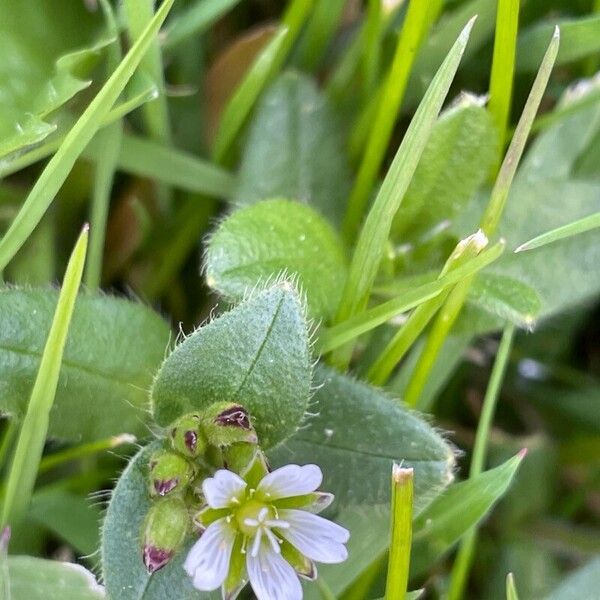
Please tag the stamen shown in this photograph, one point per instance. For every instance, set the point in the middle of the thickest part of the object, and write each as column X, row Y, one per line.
column 251, row 522
column 274, row 541
column 256, row 543
column 263, row 514
column 277, row 523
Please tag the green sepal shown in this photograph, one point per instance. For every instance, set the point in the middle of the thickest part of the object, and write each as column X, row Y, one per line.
column 169, row 471
column 187, row 437
column 226, row 423
column 303, row 566
column 208, row 515
column 236, row 578
column 315, row 502
column 165, row 528
column 247, row 460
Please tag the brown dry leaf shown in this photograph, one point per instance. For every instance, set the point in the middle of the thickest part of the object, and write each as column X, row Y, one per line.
column 228, row 70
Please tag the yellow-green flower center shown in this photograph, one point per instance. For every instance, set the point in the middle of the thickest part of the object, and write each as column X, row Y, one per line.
column 251, row 514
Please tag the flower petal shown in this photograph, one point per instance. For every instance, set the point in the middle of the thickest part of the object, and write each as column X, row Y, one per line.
column 208, row 560
column 291, row 480
column 316, row 537
column 271, row 576
column 223, row 489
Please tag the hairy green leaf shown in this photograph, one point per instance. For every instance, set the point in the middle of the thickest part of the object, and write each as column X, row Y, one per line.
column 257, row 354
column 261, row 241
column 113, row 349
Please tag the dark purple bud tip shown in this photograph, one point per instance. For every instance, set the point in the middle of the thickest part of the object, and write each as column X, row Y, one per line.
column 164, row 486
column 190, row 439
column 234, row 416
column 156, row 558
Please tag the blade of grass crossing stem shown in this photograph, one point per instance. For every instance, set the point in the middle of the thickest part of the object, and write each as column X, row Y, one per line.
column 352, row 328
column 560, row 233
column 57, row 170
column 388, row 107
column 14, row 165
column 241, row 103
column 503, row 64
column 489, row 224
column 401, row 533
column 370, row 60
column 463, row 561
column 375, row 232
column 109, row 145
column 511, row 588
column 30, row 445
column 195, row 20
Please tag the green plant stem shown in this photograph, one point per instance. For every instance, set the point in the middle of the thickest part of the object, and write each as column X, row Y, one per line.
column 370, row 62
column 401, row 533
column 32, row 436
column 8, row 437
column 78, row 452
column 464, row 558
column 503, row 65
column 392, row 93
column 109, row 144
column 325, row 590
column 489, row 223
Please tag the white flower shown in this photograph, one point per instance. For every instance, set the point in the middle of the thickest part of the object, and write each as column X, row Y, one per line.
column 268, row 533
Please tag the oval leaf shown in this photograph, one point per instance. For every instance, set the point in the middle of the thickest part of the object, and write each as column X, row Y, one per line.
column 278, row 236
column 112, row 350
column 257, row 354
column 356, row 435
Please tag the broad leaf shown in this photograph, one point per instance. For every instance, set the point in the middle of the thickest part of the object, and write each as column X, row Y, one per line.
column 456, row 511
column 38, row 579
column 456, row 160
column 257, row 354
column 40, row 69
column 294, row 150
column 356, row 435
column 124, row 573
column 262, row 241
column 114, row 347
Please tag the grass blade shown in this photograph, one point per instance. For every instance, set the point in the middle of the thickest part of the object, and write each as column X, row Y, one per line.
column 503, row 64
column 464, row 558
column 346, row 331
column 30, row 445
column 511, row 588
column 374, row 235
column 399, row 560
column 390, row 100
column 560, row 233
column 245, row 96
column 195, row 20
column 57, row 170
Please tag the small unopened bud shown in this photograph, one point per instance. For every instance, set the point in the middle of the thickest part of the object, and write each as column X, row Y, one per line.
column 168, row 471
column 186, row 436
column 226, row 423
column 166, row 526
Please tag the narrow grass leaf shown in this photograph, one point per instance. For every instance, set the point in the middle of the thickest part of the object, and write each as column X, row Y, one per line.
column 352, row 328
column 401, row 533
column 244, row 98
column 390, row 100
column 511, row 588
column 194, row 20
column 561, row 233
column 375, row 232
column 503, row 64
column 30, row 445
column 76, row 140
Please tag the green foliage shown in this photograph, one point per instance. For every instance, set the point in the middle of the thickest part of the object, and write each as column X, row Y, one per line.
column 356, row 459
column 38, row 579
column 272, row 237
column 257, row 354
column 110, row 355
column 294, row 150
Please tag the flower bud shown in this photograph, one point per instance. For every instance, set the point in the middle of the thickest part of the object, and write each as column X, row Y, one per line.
column 165, row 529
column 186, row 436
column 168, row 471
column 226, row 423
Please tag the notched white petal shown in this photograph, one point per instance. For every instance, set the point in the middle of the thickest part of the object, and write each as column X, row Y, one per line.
column 315, row 537
column 271, row 576
column 208, row 560
column 291, row 480
column 223, row 489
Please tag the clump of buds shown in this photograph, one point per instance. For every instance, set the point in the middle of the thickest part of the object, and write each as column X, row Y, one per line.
column 197, row 445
